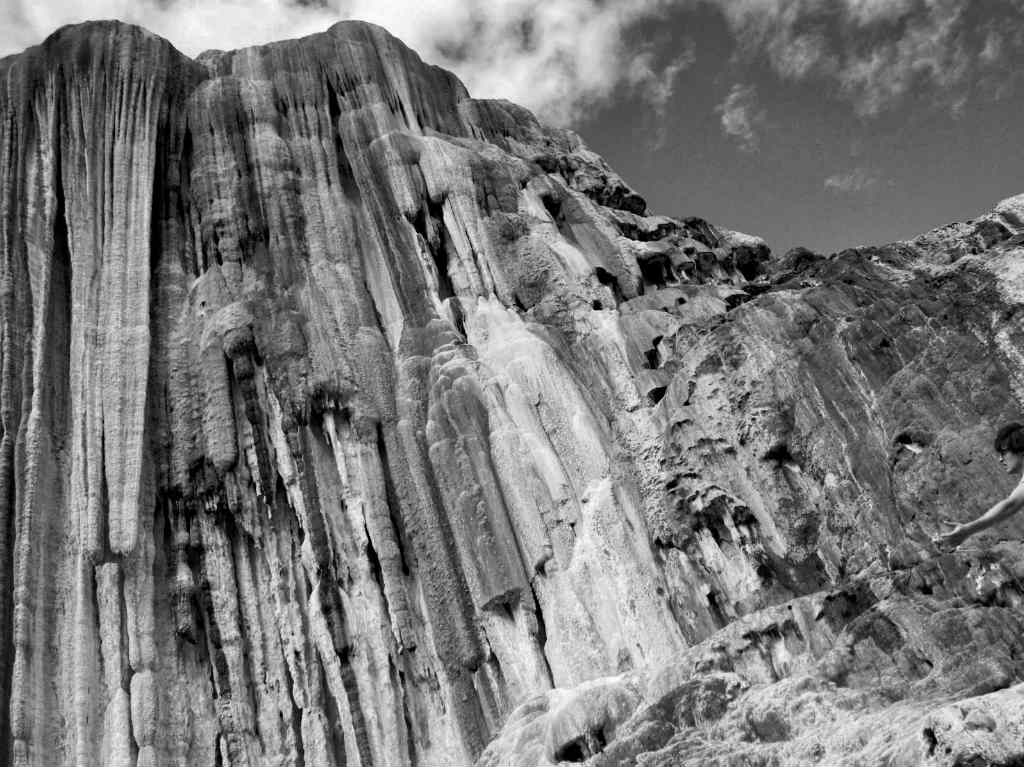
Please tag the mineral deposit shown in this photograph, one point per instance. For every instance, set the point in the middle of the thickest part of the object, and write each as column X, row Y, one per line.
column 348, row 420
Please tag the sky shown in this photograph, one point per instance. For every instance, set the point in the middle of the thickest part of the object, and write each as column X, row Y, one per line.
column 821, row 123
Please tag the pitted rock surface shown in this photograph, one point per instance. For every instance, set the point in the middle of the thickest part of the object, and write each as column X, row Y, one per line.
column 346, row 419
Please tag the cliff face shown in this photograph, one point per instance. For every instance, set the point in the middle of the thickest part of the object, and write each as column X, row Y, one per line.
column 345, row 416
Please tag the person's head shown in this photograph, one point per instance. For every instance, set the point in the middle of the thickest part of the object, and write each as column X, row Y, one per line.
column 1009, row 445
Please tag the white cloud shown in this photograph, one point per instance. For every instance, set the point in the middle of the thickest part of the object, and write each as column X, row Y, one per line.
column 563, row 58
column 993, row 49
column 741, row 117
column 877, row 52
column 866, row 12
column 927, row 51
column 855, row 181
column 557, row 57
column 660, row 87
column 659, row 84
column 800, row 56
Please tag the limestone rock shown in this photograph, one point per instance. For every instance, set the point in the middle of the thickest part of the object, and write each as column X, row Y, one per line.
column 346, row 419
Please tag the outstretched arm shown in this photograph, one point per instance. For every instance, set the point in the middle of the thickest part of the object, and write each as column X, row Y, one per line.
column 1003, row 510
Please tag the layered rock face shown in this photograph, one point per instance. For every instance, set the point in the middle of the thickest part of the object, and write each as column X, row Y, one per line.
column 350, row 420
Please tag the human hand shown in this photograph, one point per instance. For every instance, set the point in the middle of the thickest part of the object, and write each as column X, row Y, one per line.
column 949, row 540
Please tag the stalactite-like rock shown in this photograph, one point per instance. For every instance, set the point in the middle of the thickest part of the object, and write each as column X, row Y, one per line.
column 346, row 419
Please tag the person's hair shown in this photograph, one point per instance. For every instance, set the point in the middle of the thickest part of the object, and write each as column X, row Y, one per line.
column 1010, row 437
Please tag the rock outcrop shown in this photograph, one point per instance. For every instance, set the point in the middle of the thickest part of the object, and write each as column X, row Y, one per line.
column 346, row 419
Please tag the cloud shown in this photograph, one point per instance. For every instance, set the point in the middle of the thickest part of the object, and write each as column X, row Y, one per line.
column 929, row 51
column 993, row 49
column 876, row 53
column 561, row 58
column 867, row 12
column 565, row 58
column 660, row 86
column 741, row 117
column 855, row 181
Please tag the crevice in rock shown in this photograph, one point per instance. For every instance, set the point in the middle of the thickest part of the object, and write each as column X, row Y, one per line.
column 398, row 677
column 375, row 569
column 103, row 522
column 630, row 229
column 913, row 440
column 656, row 395
column 542, row 635
column 318, row 531
column 586, row 746
column 554, row 208
column 345, row 172
column 407, row 715
column 57, row 347
column 394, row 513
column 335, row 730
column 779, row 453
column 930, row 741
column 652, row 355
column 691, row 387
column 656, row 269
column 187, row 557
column 736, row 299
column 611, row 282
column 429, row 224
column 458, row 318
column 717, row 615
column 158, row 195
column 184, row 202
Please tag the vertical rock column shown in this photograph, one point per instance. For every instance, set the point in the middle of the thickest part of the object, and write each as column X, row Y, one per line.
column 117, row 731
column 15, row 321
column 113, row 103
column 84, row 111
column 32, row 401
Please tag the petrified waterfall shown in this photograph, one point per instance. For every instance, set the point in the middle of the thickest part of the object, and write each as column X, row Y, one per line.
column 346, row 419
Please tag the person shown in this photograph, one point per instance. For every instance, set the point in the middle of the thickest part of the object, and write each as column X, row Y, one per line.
column 1009, row 445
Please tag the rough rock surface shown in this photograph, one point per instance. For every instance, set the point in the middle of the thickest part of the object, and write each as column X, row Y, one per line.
column 345, row 419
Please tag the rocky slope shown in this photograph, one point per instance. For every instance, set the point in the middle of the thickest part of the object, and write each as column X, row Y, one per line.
column 345, row 419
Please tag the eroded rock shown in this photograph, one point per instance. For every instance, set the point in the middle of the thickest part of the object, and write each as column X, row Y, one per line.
column 347, row 419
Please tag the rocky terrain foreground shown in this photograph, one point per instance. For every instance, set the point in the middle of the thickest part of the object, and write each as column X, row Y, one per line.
column 348, row 420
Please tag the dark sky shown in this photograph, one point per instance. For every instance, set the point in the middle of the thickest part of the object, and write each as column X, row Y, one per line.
column 922, row 161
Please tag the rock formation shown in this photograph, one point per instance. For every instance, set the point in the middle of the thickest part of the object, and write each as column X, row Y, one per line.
column 346, row 419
